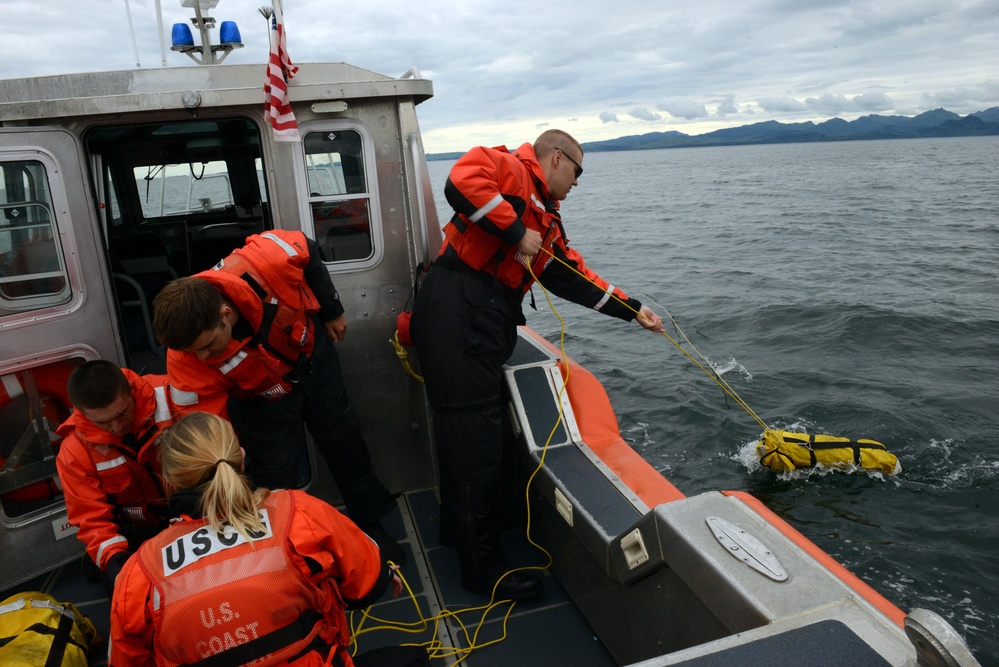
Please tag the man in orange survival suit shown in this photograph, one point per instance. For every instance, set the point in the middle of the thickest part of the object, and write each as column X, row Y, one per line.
column 464, row 326
column 109, row 463
column 252, row 339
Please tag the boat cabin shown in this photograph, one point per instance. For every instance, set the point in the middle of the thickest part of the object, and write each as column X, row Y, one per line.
column 114, row 183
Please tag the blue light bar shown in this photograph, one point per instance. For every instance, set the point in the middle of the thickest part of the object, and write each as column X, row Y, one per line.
column 229, row 33
column 181, row 35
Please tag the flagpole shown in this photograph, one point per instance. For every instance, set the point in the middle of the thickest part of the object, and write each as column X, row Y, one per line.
column 159, row 28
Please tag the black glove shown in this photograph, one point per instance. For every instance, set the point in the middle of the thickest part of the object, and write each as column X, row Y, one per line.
column 115, row 563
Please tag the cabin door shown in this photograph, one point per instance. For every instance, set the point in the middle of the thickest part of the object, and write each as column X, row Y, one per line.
column 54, row 313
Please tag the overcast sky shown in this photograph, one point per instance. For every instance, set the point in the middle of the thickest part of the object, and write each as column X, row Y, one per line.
column 505, row 70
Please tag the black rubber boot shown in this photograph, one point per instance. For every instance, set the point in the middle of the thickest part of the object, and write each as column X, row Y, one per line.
column 481, row 557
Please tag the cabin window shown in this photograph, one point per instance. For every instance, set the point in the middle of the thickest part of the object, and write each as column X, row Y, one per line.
column 339, row 194
column 32, row 266
column 176, row 197
column 179, row 189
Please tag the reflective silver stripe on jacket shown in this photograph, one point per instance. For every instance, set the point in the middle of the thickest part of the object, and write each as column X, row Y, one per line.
column 484, row 211
column 605, row 299
column 284, row 245
column 162, row 412
column 11, row 385
column 105, row 544
column 113, row 463
column 236, row 360
column 183, row 397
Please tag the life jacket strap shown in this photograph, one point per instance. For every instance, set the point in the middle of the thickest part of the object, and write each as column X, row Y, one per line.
column 264, row 645
column 261, row 337
column 813, row 444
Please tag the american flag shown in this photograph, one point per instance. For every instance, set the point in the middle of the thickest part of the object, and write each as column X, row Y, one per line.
column 277, row 108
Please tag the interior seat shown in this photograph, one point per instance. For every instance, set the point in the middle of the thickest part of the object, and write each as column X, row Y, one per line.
column 140, row 266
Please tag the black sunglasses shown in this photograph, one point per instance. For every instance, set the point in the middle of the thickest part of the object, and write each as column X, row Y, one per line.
column 579, row 167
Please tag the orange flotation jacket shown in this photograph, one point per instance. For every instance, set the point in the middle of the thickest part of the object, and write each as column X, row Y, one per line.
column 107, row 483
column 271, row 264
column 485, row 239
column 209, row 587
column 497, row 195
column 266, row 283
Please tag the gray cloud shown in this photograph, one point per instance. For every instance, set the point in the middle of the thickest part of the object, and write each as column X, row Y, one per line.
column 986, row 92
column 785, row 60
column 641, row 113
column 727, row 106
column 873, row 102
column 683, row 108
column 781, row 104
column 829, row 105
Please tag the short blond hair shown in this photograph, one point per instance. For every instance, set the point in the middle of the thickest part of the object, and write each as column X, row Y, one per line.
column 551, row 140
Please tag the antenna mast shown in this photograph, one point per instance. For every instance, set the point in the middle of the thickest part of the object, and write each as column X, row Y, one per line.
column 131, row 29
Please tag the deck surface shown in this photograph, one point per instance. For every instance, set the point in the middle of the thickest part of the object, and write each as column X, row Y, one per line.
column 548, row 631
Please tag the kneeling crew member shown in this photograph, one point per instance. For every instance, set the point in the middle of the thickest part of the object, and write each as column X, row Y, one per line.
column 109, row 463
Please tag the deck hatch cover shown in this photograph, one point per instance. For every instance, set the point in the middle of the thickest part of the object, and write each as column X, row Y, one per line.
column 746, row 548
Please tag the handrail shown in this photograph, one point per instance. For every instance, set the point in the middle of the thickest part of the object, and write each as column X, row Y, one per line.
column 424, row 245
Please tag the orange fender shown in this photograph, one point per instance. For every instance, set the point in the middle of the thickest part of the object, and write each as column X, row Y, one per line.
column 600, row 431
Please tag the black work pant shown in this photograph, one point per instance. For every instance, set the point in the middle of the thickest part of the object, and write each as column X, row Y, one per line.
column 464, row 329
column 271, row 433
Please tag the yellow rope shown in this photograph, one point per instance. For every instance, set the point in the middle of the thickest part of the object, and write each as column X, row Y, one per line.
column 403, row 355
column 435, row 647
column 718, row 379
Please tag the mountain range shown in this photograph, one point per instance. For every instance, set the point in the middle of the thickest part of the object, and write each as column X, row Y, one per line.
column 935, row 123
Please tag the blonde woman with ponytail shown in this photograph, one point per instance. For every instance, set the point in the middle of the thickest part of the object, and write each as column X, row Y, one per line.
column 242, row 574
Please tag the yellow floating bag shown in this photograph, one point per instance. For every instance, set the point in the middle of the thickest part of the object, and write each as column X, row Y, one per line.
column 785, row 451
column 36, row 630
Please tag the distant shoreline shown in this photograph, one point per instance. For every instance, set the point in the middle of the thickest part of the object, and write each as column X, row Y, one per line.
column 938, row 123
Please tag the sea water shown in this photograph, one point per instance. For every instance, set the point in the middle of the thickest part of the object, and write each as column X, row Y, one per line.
column 845, row 288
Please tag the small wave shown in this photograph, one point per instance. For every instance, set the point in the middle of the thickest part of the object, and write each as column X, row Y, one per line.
column 730, row 366
column 953, row 464
column 639, row 436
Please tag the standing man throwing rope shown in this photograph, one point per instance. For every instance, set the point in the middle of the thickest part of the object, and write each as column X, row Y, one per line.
column 464, row 327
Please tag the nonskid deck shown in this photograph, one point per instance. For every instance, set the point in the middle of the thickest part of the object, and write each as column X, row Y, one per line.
column 549, row 630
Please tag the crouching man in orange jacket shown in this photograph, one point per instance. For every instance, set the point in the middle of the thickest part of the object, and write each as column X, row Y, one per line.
column 252, row 340
column 108, row 461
